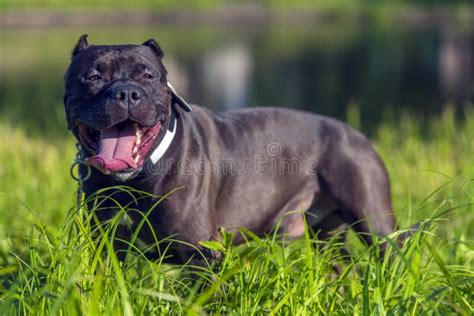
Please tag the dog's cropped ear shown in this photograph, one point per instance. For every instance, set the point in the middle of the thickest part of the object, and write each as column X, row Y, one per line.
column 155, row 47
column 81, row 45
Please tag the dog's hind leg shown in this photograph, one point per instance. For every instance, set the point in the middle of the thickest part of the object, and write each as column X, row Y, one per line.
column 360, row 186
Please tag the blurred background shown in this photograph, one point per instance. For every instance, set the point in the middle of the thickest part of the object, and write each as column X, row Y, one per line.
column 332, row 58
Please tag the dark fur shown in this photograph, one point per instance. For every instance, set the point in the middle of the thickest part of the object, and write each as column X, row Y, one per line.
column 344, row 180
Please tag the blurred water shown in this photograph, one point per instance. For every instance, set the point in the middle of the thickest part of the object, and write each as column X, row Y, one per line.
column 383, row 69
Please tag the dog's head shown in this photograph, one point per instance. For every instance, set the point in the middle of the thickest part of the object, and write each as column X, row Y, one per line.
column 117, row 103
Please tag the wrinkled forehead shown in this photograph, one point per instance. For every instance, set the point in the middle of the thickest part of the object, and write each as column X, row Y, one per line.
column 117, row 57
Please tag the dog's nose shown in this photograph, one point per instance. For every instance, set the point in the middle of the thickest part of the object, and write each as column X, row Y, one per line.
column 127, row 95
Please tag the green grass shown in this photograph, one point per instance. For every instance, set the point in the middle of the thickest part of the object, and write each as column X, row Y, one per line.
column 50, row 265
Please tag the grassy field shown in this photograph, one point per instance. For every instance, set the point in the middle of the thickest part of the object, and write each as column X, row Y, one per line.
column 50, row 265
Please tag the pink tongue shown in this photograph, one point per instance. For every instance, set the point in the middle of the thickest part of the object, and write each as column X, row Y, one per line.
column 115, row 150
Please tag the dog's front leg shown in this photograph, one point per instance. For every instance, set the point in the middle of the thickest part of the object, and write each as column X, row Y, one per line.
column 193, row 251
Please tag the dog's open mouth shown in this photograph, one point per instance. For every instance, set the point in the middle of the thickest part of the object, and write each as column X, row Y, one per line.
column 120, row 148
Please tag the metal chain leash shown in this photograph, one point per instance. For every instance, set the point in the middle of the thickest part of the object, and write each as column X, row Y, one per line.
column 78, row 161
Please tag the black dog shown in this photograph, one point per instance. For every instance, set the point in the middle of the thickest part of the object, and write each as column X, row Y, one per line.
column 245, row 168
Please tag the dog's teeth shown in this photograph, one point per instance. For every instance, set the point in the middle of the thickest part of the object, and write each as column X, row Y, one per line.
column 138, row 135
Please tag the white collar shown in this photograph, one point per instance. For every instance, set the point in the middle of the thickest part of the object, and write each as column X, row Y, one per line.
column 166, row 141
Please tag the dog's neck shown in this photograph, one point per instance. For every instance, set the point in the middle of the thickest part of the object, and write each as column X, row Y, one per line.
column 176, row 100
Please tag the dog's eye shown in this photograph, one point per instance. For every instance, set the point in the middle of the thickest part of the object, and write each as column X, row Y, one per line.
column 94, row 78
column 148, row 76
